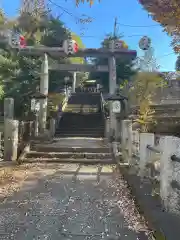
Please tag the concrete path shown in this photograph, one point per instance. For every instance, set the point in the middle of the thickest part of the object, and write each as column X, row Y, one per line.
column 76, row 202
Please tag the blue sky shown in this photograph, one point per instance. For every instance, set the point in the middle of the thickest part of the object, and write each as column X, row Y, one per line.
column 128, row 12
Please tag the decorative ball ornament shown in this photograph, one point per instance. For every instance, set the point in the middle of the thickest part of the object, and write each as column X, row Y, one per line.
column 145, row 43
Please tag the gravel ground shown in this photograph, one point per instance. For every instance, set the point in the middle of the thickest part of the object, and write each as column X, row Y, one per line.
column 66, row 202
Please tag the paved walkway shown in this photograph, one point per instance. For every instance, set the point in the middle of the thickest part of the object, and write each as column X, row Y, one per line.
column 76, row 202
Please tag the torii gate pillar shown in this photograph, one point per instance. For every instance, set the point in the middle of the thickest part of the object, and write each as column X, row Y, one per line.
column 112, row 86
column 44, row 85
column 74, row 82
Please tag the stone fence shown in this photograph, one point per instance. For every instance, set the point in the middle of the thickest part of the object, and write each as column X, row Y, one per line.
column 155, row 158
column 17, row 134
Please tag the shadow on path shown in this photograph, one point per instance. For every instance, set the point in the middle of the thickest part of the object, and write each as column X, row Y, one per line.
column 75, row 202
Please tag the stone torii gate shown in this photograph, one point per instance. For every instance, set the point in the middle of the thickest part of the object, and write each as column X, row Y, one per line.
column 111, row 53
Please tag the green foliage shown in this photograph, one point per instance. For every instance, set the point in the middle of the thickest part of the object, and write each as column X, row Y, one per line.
column 54, row 33
column 123, row 68
column 141, row 94
column 54, row 100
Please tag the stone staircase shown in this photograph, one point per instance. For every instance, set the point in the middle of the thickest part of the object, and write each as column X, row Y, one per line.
column 85, row 98
column 70, row 150
column 83, row 102
column 82, row 117
column 78, row 138
column 81, row 125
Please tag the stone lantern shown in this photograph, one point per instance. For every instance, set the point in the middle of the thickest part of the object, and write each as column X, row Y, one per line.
column 35, row 98
column 120, row 109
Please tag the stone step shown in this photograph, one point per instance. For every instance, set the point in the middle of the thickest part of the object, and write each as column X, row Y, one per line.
column 82, row 107
column 83, row 100
column 83, row 126
column 82, row 134
column 75, row 155
column 86, row 121
column 98, row 120
column 83, row 115
column 77, row 131
column 68, row 160
column 59, row 149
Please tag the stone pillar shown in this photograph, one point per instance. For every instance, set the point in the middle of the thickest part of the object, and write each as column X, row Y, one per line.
column 10, row 139
column 107, row 126
column 126, row 140
column 44, row 85
column 36, row 126
column 98, row 87
column 8, row 108
column 1, row 149
column 52, row 128
column 112, row 86
column 74, row 82
column 169, row 171
column 145, row 140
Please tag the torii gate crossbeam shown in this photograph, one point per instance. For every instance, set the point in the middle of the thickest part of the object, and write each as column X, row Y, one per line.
column 79, row 67
column 87, row 52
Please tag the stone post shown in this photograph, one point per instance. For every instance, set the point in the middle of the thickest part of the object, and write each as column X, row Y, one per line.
column 98, row 87
column 10, row 139
column 112, row 85
column 145, row 140
column 126, row 140
column 124, row 137
column 44, row 85
column 52, row 127
column 169, row 171
column 74, row 82
column 36, row 126
column 1, row 152
column 107, row 126
column 8, row 108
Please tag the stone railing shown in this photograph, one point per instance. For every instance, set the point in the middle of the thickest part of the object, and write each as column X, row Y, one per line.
column 18, row 135
column 155, row 158
column 15, row 138
column 1, row 146
column 26, row 132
